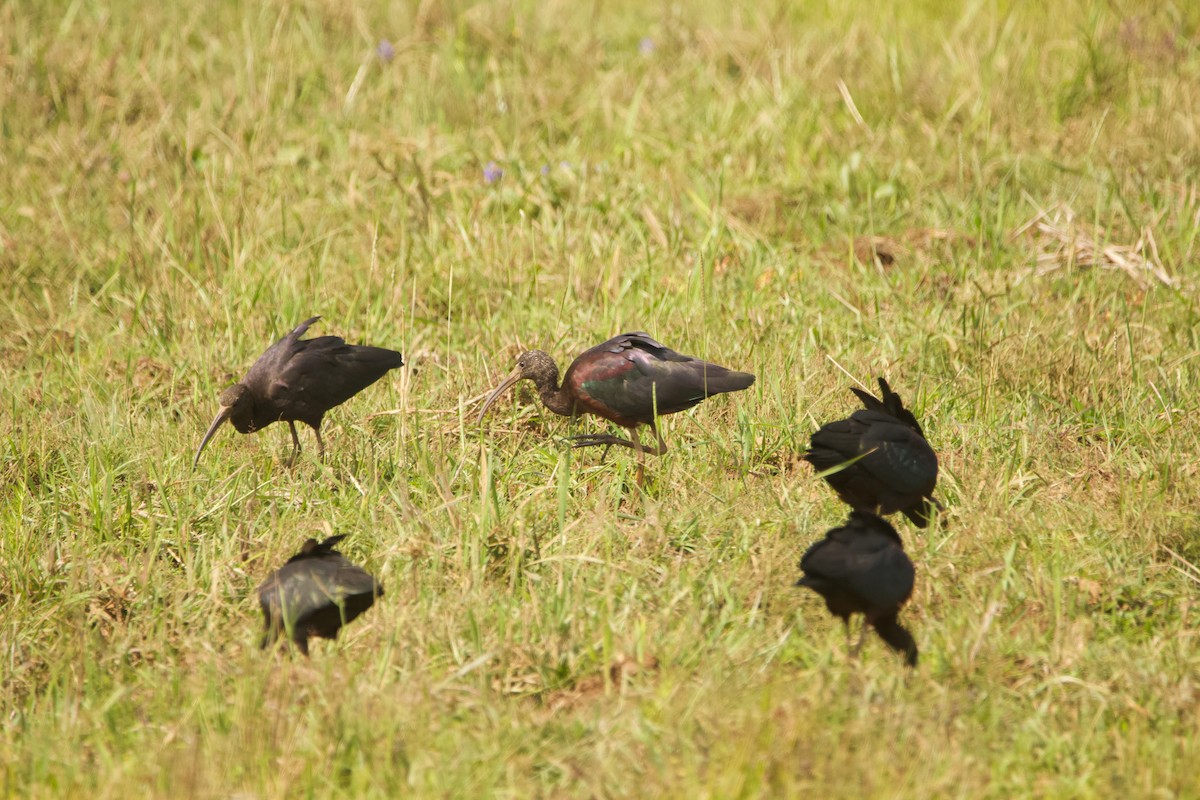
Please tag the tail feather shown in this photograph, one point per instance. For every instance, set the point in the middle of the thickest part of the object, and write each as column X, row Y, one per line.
column 889, row 404
column 714, row 379
column 379, row 357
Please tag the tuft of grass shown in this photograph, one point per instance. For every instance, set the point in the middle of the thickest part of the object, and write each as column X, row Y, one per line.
column 813, row 192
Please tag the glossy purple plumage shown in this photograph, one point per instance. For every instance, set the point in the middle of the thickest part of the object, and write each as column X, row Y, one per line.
column 631, row 378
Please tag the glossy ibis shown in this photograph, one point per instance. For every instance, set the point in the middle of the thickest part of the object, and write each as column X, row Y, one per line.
column 878, row 459
column 298, row 380
column 314, row 594
column 630, row 380
column 861, row 568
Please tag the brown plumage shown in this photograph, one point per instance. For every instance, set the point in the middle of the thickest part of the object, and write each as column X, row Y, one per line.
column 298, row 380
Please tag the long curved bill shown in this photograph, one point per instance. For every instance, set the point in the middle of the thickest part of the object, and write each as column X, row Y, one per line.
column 222, row 415
column 513, row 377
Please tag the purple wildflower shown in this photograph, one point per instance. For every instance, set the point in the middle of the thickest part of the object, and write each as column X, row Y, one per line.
column 646, row 46
column 492, row 173
column 386, row 51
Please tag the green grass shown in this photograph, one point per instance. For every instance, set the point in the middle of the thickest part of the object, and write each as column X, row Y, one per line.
column 179, row 186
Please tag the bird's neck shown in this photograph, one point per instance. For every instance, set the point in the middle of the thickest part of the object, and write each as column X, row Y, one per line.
column 555, row 398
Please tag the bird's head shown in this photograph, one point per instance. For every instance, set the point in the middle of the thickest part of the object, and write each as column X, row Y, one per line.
column 237, row 405
column 534, row 365
column 235, row 397
column 538, row 367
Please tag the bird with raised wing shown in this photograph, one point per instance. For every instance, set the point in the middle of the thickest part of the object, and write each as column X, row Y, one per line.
column 299, row 380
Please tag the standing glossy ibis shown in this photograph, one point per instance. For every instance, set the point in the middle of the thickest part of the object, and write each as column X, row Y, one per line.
column 630, row 380
column 298, row 380
column 861, row 568
column 314, row 594
column 878, row 459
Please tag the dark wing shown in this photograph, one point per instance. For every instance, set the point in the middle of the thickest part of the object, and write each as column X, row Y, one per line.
column 349, row 593
column 624, row 341
column 269, row 367
column 316, row 592
column 325, row 372
column 899, row 457
column 352, row 581
column 890, row 404
column 887, row 451
column 295, row 334
column 635, row 376
column 309, row 586
column 883, row 577
column 825, row 565
column 275, row 357
column 314, row 549
column 864, row 560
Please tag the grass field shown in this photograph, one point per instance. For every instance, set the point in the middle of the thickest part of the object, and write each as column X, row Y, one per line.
column 180, row 184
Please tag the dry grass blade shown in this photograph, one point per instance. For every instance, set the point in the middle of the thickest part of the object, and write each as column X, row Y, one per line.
column 1189, row 570
column 1062, row 243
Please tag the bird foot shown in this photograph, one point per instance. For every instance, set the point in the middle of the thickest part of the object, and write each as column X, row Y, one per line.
column 594, row 440
column 862, row 637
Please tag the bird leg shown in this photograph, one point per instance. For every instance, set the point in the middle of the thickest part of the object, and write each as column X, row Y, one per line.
column 662, row 446
column 596, row 439
column 320, row 442
column 862, row 637
column 592, row 440
column 641, row 459
column 295, row 444
column 609, row 440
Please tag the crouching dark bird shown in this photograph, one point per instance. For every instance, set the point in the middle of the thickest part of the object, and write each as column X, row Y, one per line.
column 298, row 380
column 630, row 380
column 861, row 568
column 878, row 459
column 314, row 594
